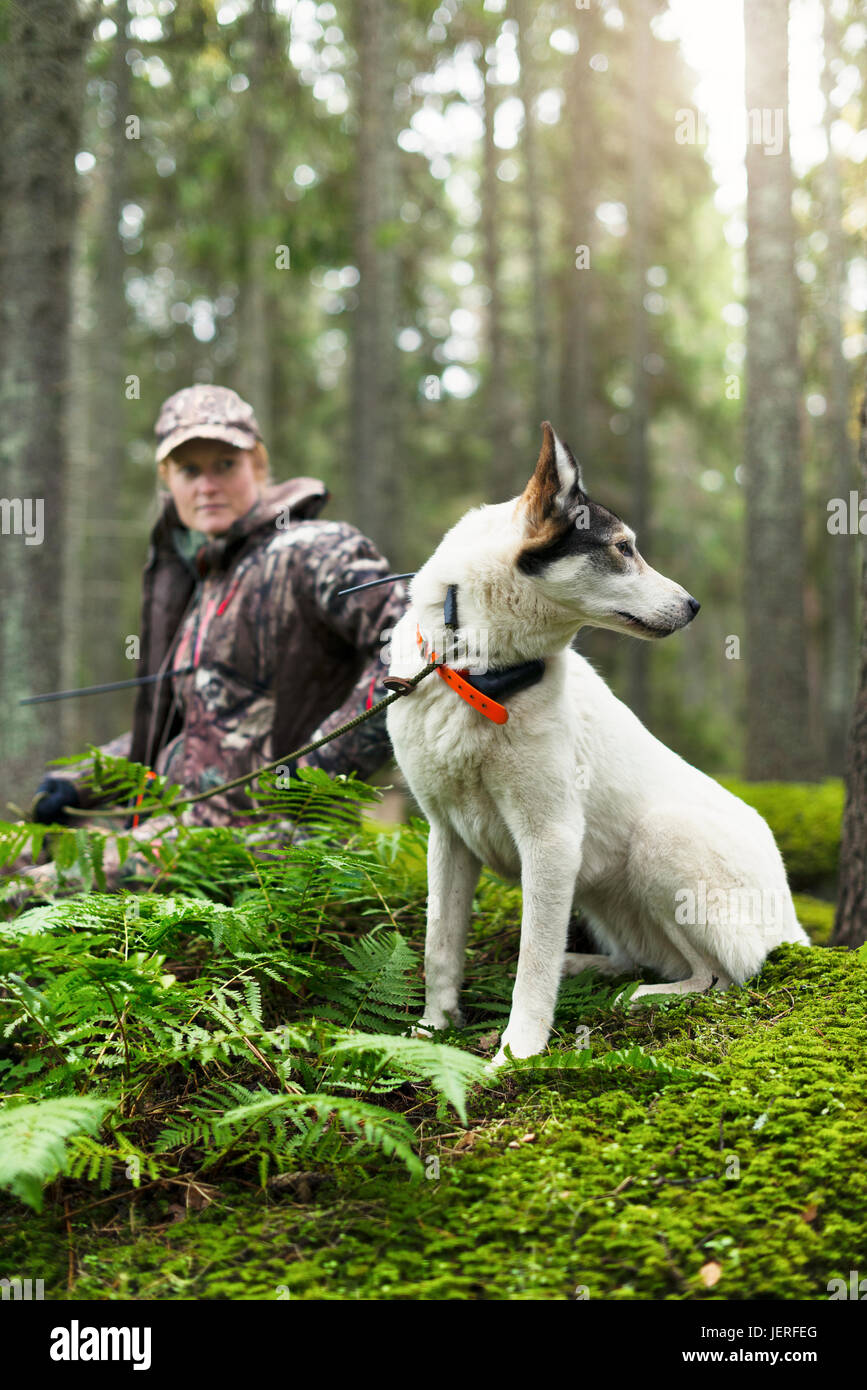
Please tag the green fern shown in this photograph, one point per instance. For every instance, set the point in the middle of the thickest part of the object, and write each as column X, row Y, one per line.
column 369, row 1124
column 33, row 1141
column 256, row 1125
column 383, row 986
column 634, row 1058
column 254, row 961
column 95, row 1161
column 448, row 1069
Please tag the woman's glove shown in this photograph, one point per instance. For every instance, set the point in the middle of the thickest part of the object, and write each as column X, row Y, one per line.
column 53, row 795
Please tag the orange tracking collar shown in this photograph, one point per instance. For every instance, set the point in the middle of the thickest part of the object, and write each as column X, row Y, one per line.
column 491, row 709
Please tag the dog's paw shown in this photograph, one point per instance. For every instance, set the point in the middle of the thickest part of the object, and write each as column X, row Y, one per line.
column 529, row 1044
column 437, row 1021
column 498, row 1062
column 429, row 1027
column 422, row 1029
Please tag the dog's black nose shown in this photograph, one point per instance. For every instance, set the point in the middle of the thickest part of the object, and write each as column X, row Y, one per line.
column 694, row 605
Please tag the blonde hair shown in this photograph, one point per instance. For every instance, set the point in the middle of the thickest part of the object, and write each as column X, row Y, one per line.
column 261, row 462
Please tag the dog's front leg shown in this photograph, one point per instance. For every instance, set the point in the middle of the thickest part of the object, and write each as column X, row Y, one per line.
column 549, row 868
column 452, row 874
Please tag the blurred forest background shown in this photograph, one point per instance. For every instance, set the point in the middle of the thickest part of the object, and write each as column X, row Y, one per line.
column 408, row 233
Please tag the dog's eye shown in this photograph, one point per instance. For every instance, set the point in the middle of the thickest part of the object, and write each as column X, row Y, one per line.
column 625, row 548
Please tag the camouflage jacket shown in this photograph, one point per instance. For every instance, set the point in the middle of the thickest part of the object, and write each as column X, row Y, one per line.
column 277, row 658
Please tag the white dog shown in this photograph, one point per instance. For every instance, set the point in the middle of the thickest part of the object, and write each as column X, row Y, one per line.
column 537, row 770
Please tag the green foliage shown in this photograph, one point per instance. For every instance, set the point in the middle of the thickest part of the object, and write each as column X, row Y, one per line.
column 247, row 1030
column 622, row 1181
column 252, row 1018
column 33, row 1141
column 448, row 1069
column 806, row 820
column 634, row 1057
column 252, row 1128
column 260, row 962
column 380, row 987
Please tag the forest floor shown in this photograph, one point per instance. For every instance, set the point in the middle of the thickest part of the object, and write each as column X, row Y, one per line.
column 737, row 1172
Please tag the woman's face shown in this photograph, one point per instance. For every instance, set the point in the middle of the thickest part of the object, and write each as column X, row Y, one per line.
column 212, row 484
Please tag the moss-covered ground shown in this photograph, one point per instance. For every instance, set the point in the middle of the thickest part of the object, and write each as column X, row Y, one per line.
column 744, row 1179
column 746, row 1182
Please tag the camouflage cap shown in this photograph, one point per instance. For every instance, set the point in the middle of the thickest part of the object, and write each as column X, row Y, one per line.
column 205, row 412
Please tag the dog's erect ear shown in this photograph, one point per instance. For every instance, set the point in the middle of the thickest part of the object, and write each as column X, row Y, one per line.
column 555, row 488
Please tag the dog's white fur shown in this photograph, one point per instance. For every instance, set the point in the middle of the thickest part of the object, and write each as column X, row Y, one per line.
column 573, row 796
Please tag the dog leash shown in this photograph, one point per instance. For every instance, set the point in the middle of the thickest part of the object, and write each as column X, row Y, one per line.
column 476, row 691
column 527, row 673
column 398, row 686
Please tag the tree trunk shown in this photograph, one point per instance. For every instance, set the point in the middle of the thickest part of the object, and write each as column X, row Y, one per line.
column 778, row 716
column 538, row 312
column 255, row 366
column 372, row 445
column 573, row 423
column 639, row 209
column 83, row 427
column 93, row 558
column 841, row 605
column 850, row 926
column 41, row 111
column 502, row 479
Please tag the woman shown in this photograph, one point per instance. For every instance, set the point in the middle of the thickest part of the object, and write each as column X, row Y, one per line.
column 241, row 602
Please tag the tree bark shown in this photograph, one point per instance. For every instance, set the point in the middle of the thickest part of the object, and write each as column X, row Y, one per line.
column 538, row 307
column 841, row 605
column 255, row 365
column 850, row 925
column 639, row 209
column 82, row 441
column 779, row 744
column 502, row 479
column 41, row 112
column 93, row 561
column 372, row 446
column 574, row 409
